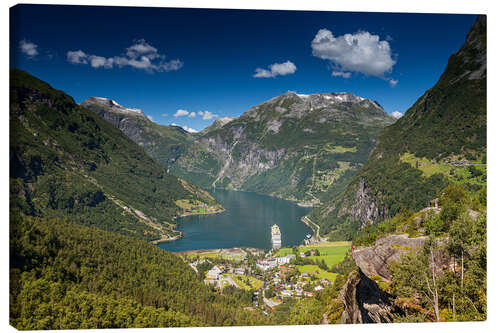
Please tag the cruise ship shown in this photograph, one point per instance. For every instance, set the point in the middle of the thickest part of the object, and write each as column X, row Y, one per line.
column 276, row 236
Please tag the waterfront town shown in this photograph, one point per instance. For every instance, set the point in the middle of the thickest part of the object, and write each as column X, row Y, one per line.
column 273, row 277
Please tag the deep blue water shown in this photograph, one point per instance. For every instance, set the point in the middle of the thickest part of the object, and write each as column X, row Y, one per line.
column 246, row 222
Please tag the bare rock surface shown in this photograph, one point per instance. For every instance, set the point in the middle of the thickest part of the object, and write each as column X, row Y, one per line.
column 365, row 302
column 375, row 260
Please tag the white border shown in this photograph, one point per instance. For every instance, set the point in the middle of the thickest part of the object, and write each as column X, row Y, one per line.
column 420, row 6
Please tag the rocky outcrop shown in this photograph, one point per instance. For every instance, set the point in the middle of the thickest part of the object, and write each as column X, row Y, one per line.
column 365, row 302
column 129, row 120
column 376, row 260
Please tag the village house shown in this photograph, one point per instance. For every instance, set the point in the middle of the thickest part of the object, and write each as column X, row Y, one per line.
column 267, row 264
column 214, row 273
column 286, row 259
column 318, row 288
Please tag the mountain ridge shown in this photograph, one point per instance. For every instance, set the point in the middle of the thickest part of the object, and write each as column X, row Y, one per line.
column 272, row 147
column 65, row 161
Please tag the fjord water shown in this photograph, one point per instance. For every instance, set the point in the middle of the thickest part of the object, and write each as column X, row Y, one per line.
column 246, row 222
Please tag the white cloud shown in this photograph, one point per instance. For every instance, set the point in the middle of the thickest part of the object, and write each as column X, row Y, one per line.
column 142, row 48
column 186, row 128
column 276, row 69
column 96, row 62
column 164, row 114
column 181, row 113
column 28, row 48
column 150, row 118
column 140, row 55
column 360, row 52
column 396, row 114
column 345, row 75
column 77, row 57
column 192, row 115
column 393, row 82
column 207, row 115
column 189, row 129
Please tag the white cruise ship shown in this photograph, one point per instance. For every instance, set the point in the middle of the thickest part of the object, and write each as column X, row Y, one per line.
column 276, row 236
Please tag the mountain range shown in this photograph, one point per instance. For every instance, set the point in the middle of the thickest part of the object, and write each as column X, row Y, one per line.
column 294, row 146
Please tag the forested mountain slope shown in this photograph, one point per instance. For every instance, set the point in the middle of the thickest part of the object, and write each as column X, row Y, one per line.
column 440, row 140
column 164, row 143
column 68, row 276
column 66, row 161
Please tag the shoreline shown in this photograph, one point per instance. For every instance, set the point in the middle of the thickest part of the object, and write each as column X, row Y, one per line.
column 209, row 213
column 304, row 204
column 181, row 234
column 298, row 203
column 316, row 237
column 166, row 240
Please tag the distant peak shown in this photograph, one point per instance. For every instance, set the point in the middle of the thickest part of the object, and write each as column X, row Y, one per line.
column 334, row 96
column 111, row 106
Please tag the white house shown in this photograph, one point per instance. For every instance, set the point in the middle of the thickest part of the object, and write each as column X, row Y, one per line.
column 214, row 273
column 318, row 288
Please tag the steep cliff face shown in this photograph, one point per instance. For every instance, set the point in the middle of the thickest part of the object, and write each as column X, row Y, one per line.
column 416, row 157
column 365, row 302
column 299, row 147
column 365, row 207
column 163, row 143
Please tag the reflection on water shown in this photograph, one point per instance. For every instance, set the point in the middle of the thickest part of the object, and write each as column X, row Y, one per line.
column 246, row 222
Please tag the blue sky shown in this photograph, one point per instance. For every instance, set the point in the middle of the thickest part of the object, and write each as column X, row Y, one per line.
column 213, row 63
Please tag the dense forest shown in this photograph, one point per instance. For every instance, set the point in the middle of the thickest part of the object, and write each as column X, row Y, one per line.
column 65, row 276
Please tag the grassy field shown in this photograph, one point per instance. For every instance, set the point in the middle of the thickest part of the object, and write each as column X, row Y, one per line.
column 320, row 273
column 203, row 255
column 332, row 252
column 240, row 281
column 458, row 174
column 224, row 254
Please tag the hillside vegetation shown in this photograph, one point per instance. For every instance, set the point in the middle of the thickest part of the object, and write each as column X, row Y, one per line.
column 65, row 161
column 165, row 144
column 440, row 140
column 453, row 257
column 68, row 276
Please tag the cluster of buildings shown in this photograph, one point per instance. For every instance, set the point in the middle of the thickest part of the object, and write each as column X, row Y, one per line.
column 270, row 263
column 284, row 289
